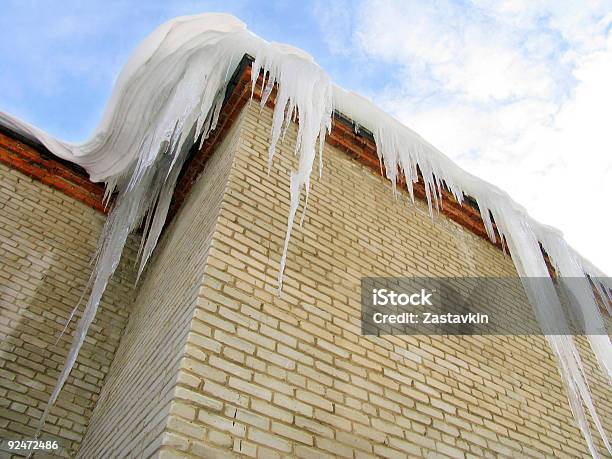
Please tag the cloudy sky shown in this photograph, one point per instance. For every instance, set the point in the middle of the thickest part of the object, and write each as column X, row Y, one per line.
column 517, row 92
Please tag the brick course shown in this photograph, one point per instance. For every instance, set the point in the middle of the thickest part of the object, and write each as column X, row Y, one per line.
column 54, row 172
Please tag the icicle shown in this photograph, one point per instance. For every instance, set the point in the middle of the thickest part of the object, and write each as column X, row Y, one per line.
column 305, row 91
column 568, row 265
column 399, row 148
column 524, row 247
column 173, row 89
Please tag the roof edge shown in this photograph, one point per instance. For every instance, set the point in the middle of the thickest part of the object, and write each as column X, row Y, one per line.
column 347, row 136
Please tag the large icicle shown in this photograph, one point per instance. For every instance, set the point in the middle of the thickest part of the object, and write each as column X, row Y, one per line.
column 167, row 96
column 305, row 91
column 170, row 93
column 523, row 244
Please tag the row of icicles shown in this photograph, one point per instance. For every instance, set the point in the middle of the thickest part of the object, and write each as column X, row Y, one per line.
column 171, row 92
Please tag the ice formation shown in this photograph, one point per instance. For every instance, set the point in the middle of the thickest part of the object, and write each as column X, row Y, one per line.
column 170, row 93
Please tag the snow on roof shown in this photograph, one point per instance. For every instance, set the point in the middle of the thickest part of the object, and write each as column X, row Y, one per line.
column 170, row 93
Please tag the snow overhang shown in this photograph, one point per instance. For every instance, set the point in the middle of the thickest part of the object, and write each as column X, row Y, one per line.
column 27, row 154
column 354, row 140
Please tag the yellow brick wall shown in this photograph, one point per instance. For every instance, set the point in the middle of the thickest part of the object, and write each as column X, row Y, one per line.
column 213, row 363
column 133, row 407
column 46, row 242
column 276, row 376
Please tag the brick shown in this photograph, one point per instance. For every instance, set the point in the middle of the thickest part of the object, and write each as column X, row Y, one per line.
column 189, row 429
column 198, row 399
column 278, row 336
column 248, row 417
column 337, row 448
column 387, row 427
column 351, row 414
column 368, row 432
column 217, row 391
column 203, row 371
column 204, row 342
column 293, row 405
column 276, row 359
column 383, row 451
column 175, row 441
column 332, row 420
column 313, row 399
column 273, row 441
column 450, row 451
column 251, row 389
column 235, row 342
column 315, row 426
column 311, row 453
column 273, row 384
column 230, row 367
column 244, row 448
column 405, row 447
column 222, row 423
column 420, row 440
column 272, row 411
column 292, row 433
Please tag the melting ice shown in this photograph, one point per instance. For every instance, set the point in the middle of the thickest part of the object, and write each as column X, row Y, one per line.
column 170, row 93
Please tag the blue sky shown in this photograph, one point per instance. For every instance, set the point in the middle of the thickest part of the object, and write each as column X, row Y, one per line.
column 515, row 91
column 69, row 57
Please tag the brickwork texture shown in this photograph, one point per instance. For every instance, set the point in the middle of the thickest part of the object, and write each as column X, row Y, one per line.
column 213, row 362
column 284, row 376
column 47, row 240
column 135, row 403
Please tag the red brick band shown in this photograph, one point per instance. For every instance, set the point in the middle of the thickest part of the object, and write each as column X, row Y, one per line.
column 51, row 172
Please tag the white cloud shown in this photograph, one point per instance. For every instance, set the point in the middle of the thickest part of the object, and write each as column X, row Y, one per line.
column 335, row 22
column 517, row 92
